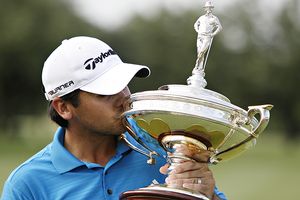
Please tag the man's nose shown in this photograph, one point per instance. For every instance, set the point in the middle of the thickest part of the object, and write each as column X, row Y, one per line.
column 124, row 95
column 126, row 92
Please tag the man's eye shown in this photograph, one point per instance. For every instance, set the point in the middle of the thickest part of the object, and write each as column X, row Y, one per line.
column 105, row 97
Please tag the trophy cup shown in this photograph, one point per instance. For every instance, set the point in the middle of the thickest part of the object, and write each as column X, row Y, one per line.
column 192, row 116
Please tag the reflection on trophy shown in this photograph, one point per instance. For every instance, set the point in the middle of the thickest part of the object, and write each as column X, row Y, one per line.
column 191, row 116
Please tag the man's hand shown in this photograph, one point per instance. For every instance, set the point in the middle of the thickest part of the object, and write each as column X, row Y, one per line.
column 193, row 175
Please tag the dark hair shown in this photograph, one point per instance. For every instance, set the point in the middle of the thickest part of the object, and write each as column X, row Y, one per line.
column 73, row 99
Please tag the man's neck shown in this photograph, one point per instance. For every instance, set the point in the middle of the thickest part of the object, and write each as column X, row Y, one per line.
column 91, row 148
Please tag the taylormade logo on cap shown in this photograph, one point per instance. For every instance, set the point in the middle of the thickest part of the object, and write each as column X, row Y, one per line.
column 87, row 64
column 91, row 62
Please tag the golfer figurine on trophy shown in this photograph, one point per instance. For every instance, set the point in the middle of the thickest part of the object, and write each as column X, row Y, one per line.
column 207, row 26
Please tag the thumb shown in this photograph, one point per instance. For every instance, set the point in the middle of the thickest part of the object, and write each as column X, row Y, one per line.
column 164, row 169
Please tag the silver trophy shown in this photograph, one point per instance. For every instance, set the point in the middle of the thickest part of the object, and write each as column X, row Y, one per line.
column 192, row 116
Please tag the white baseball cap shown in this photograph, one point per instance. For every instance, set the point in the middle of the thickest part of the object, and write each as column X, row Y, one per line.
column 88, row 64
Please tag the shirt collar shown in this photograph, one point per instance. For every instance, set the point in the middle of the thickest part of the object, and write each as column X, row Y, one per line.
column 65, row 161
column 62, row 159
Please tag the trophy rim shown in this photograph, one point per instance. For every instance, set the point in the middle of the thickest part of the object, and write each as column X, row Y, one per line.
column 134, row 112
column 206, row 98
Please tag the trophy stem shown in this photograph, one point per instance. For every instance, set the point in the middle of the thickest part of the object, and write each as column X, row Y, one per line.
column 179, row 145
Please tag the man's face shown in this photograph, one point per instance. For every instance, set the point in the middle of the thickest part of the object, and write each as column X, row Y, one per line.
column 100, row 114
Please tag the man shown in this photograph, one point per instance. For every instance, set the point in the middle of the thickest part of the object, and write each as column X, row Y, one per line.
column 207, row 26
column 86, row 84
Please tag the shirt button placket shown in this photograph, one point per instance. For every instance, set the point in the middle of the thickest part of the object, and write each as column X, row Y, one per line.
column 109, row 191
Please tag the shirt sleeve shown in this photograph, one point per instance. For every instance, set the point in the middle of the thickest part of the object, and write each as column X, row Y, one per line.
column 221, row 195
column 12, row 193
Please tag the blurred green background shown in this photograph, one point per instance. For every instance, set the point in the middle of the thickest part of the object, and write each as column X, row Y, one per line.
column 254, row 60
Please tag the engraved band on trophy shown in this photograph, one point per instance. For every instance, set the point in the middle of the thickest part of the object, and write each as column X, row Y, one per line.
column 191, row 116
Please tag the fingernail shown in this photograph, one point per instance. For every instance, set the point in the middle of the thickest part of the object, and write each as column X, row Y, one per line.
column 167, row 180
column 173, row 171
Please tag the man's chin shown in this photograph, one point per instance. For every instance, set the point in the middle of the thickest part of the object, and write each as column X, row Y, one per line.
column 123, row 130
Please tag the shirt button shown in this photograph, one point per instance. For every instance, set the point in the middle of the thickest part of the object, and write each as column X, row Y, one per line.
column 109, row 191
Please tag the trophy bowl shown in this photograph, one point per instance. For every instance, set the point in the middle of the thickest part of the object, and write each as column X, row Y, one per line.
column 178, row 113
column 197, row 118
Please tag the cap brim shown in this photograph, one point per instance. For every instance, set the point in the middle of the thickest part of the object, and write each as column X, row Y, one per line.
column 116, row 79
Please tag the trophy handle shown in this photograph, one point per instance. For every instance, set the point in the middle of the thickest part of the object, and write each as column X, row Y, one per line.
column 151, row 159
column 264, row 112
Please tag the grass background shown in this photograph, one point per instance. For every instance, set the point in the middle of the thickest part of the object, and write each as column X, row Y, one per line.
column 267, row 172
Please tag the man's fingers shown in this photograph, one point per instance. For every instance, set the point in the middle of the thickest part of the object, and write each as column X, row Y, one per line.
column 196, row 184
column 189, row 166
column 205, row 177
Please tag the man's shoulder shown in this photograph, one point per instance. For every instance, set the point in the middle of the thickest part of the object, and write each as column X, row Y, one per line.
column 29, row 180
column 32, row 166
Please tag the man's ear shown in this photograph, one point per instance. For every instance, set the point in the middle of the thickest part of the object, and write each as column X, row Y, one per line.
column 63, row 108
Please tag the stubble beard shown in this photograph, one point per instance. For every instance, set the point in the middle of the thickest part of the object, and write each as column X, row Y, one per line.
column 119, row 123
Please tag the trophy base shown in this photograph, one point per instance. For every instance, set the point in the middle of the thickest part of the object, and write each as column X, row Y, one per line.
column 161, row 193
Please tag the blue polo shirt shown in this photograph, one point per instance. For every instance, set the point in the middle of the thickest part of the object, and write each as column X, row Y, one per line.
column 54, row 173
